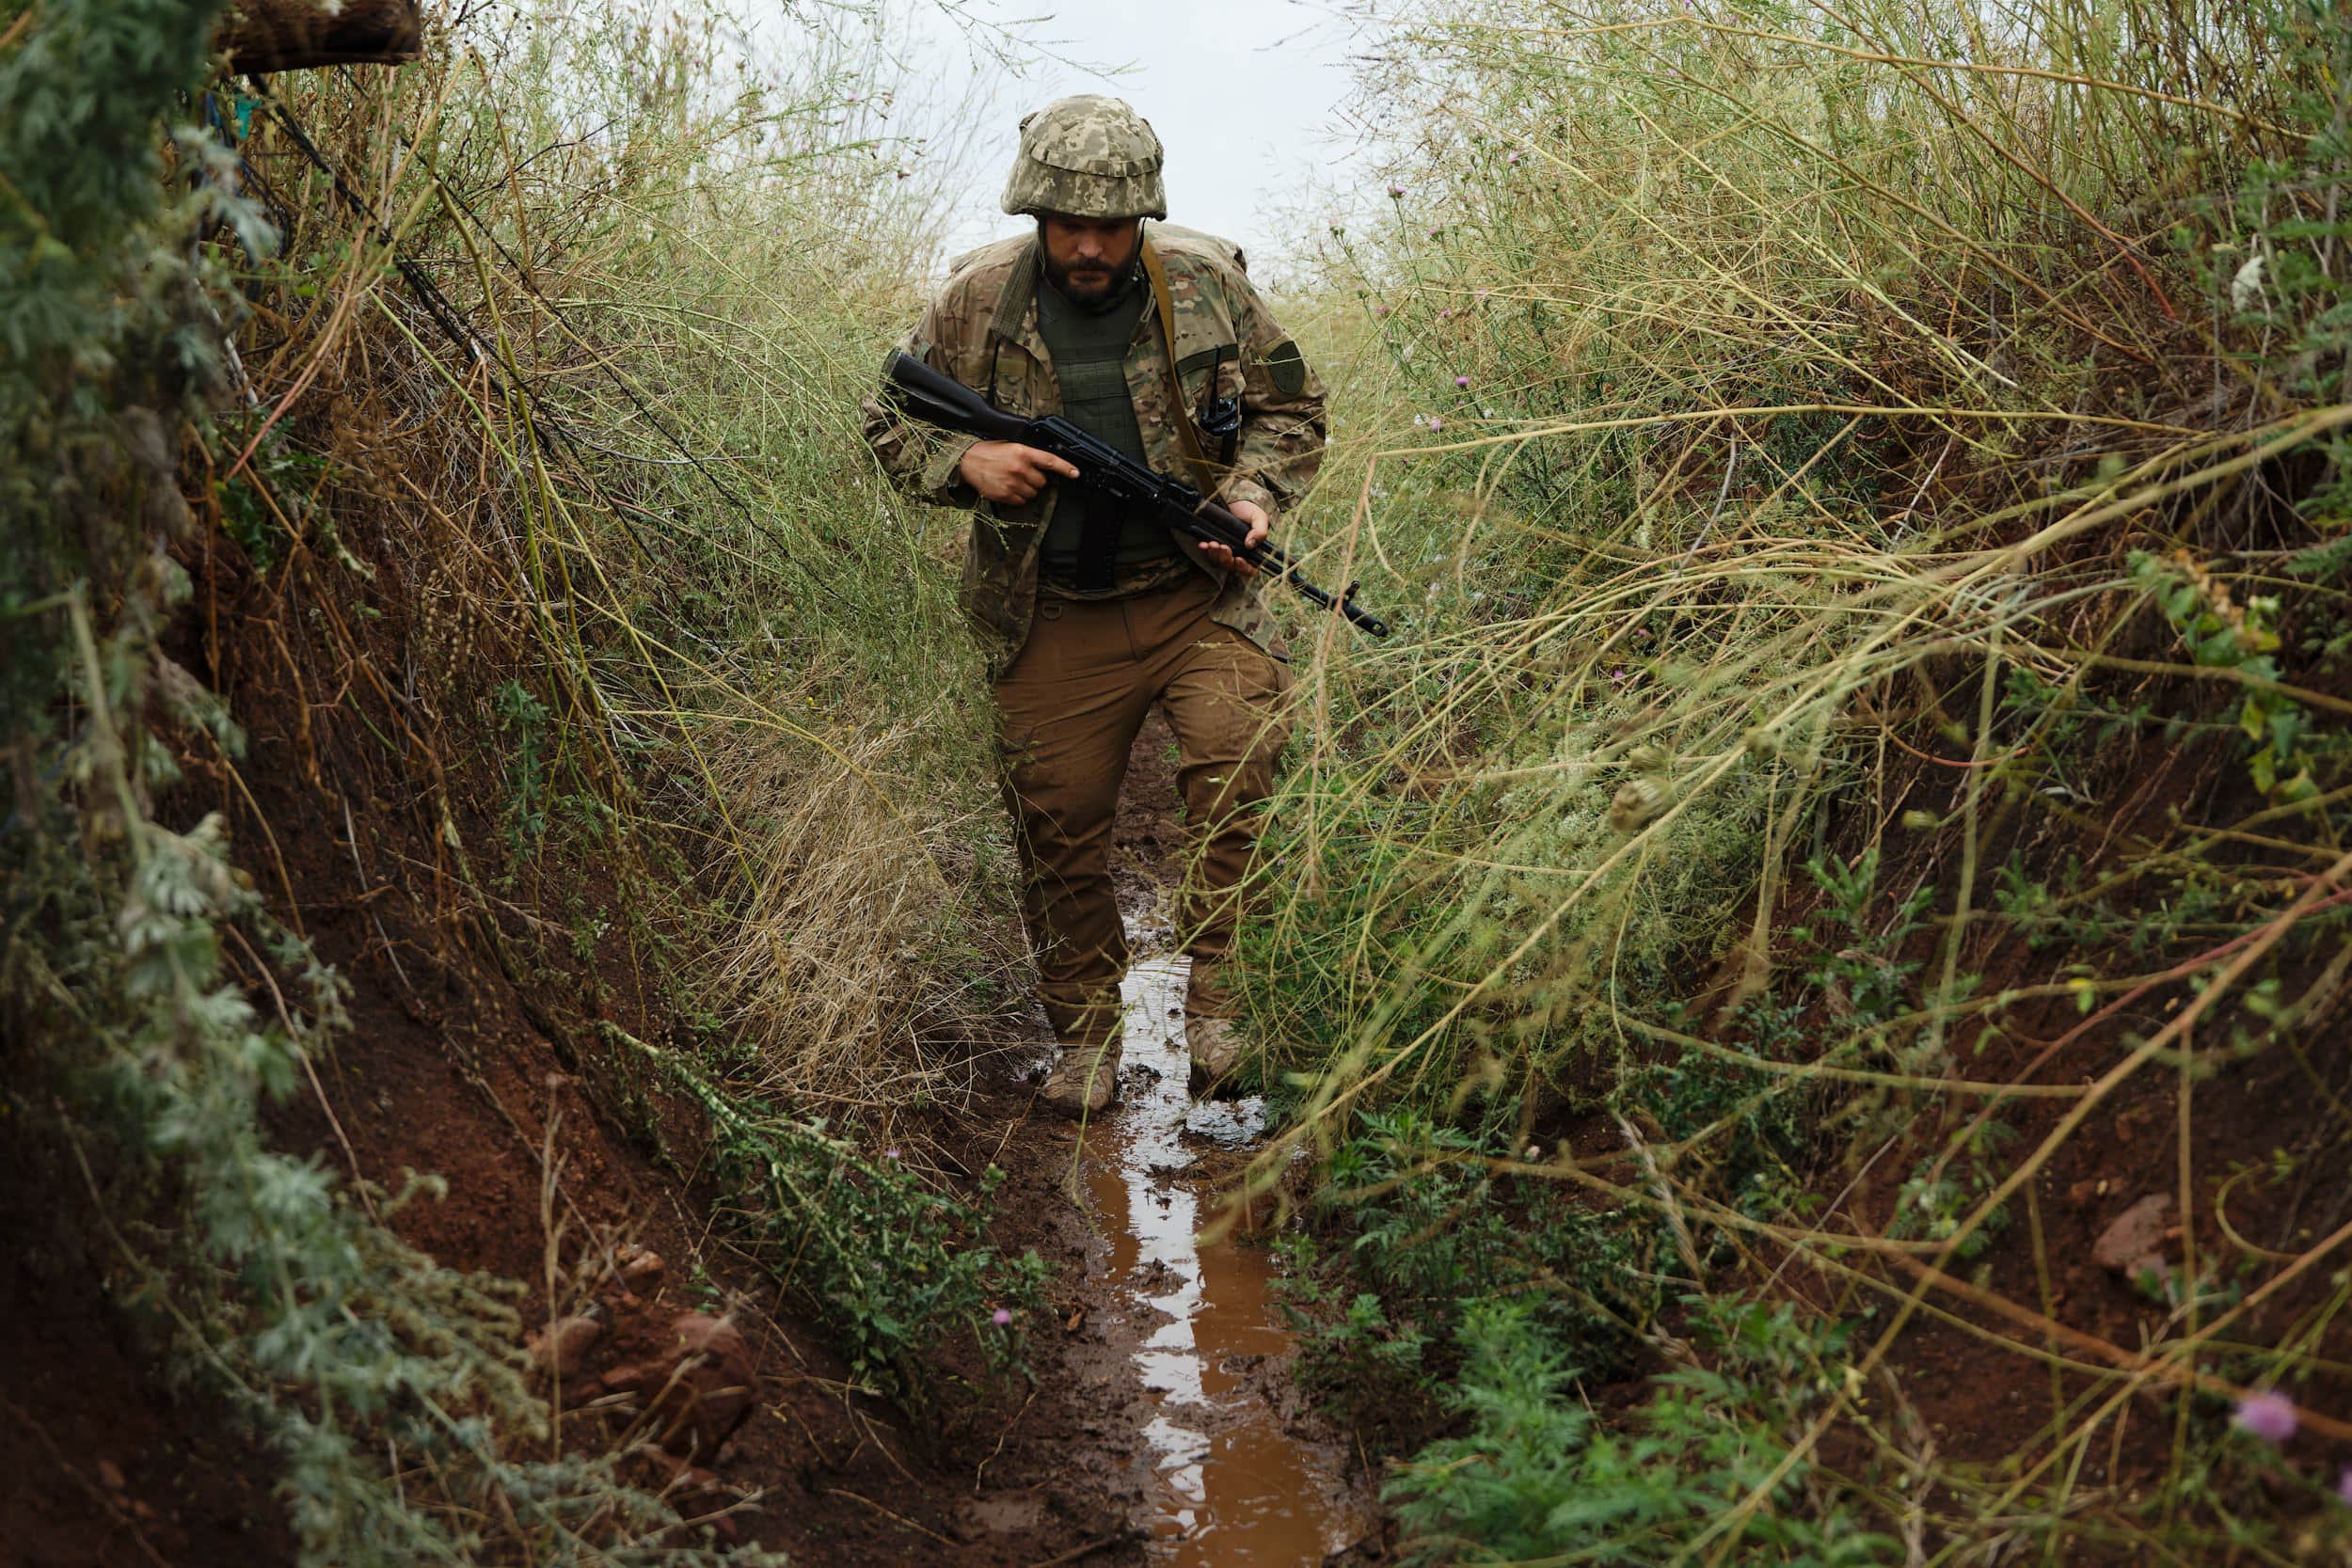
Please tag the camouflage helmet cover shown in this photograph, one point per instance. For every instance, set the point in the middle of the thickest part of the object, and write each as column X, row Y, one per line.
column 1086, row 156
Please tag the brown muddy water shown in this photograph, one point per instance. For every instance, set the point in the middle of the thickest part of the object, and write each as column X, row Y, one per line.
column 1236, row 1481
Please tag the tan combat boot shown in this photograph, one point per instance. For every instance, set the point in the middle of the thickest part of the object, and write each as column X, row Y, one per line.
column 1215, row 1045
column 1084, row 1082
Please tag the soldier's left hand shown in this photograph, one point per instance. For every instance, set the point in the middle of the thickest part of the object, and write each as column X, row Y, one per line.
column 1259, row 526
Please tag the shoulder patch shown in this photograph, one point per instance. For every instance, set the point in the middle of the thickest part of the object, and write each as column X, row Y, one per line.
column 1287, row 367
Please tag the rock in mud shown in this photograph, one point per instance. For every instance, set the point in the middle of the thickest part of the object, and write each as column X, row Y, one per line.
column 699, row 1389
column 2133, row 1242
column 559, row 1348
column 640, row 1267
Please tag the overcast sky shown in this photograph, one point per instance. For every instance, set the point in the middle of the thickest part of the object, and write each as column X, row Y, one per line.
column 1245, row 95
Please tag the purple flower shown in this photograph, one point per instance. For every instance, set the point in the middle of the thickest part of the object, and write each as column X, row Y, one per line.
column 1480, row 296
column 2267, row 1415
column 1396, row 193
column 1617, row 675
column 1512, row 157
column 890, row 1154
column 1435, row 232
column 1003, row 1318
column 1435, row 424
column 1446, row 314
column 1379, row 310
column 2344, row 1486
column 1463, row 382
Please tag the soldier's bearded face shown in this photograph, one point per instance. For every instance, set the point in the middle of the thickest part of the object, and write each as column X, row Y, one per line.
column 1087, row 259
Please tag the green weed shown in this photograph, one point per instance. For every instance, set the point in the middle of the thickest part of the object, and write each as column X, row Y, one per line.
column 1537, row 1479
column 890, row 1265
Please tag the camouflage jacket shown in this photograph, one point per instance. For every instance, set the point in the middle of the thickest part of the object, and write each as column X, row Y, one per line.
column 982, row 329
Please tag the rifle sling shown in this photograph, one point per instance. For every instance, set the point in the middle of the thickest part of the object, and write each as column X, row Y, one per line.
column 1203, row 478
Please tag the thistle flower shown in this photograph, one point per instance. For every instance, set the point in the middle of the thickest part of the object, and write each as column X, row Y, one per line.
column 1435, row 424
column 2267, row 1415
column 1396, row 193
column 1463, row 382
column 890, row 1154
column 1512, row 157
column 1003, row 1318
column 2344, row 1486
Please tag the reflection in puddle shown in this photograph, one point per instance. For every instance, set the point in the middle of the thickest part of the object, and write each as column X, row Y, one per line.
column 1234, row 1487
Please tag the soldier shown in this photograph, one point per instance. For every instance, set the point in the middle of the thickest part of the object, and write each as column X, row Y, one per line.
column 1154, row 341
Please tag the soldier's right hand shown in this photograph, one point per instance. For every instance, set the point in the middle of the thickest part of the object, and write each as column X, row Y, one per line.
column 1009, row 473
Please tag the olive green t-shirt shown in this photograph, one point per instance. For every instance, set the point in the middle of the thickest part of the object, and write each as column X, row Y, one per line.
column 1089, row 350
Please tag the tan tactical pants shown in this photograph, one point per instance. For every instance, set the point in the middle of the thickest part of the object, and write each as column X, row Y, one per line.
column 1072, row 704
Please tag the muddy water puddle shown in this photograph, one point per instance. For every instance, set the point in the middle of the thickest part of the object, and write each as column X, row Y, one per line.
column 1233, row 1484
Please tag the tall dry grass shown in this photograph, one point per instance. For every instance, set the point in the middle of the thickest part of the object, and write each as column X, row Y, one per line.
column 1836, row 453
column 643, row 544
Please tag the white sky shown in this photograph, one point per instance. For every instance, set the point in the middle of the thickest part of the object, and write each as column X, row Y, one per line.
column 1244, row 93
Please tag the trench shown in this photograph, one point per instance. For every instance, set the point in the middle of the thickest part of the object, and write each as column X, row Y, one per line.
column 1235, row 1477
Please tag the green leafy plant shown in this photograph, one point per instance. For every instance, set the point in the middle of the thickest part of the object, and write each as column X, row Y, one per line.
column 1432, row 1231
column 892, row 1266
column 2219, row 633
column 1361, row 1367
column 1756, row 1122
column 1865, row 977
column 523, row 718
column 1947, row 1187
column 1535, row 1480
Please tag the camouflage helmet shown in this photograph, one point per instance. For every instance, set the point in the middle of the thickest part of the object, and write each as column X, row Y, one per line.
column 1089, row 157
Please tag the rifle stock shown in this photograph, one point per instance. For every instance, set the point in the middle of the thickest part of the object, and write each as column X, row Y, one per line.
column 924, row 394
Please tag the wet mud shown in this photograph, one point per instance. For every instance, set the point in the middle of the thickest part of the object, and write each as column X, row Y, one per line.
column 1236, row 1475
column 1232, row 1467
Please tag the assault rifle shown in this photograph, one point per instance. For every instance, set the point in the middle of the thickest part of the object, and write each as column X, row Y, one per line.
column 923, row 393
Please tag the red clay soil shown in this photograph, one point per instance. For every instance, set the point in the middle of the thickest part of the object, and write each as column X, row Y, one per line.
column 451, row 1066
column 1967, row 1388
column 102, row 1463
